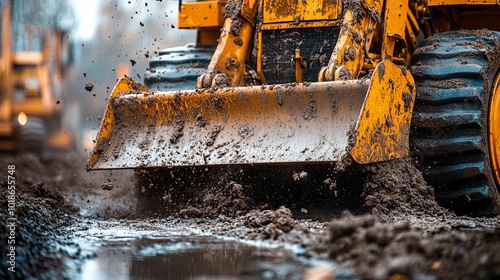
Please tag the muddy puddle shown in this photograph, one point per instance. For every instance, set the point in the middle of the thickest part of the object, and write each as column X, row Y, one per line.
column 153, row 250
column 189, row 257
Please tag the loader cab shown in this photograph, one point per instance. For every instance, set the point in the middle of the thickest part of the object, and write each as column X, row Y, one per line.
column 26, row 84
column 32, row 88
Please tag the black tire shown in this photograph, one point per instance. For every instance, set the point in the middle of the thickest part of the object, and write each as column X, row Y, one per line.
column 33, row 135
column 178, row 68
column 454, row 73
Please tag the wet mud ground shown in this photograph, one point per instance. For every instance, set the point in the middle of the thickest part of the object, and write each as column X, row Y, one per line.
column 77, row 225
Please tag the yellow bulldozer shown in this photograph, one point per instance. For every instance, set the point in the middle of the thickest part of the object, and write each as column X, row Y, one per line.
column 32, row 89
column 280, row 83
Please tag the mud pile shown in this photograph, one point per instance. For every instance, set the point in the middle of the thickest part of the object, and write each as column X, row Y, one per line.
column 406, row 232
column 40, row 240
column 61, row 176
column 44, row 176
column 397, row 188
column 378, row 250
column 50, row 191
column 269, row 224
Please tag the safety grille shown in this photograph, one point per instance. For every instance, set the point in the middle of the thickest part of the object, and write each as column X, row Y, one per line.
column 278, row 48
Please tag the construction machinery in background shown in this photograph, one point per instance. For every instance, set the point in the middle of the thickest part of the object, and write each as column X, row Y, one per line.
column 32, row 88
column 279, row 83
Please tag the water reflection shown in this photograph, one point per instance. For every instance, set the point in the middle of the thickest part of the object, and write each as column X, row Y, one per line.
column 190, row 258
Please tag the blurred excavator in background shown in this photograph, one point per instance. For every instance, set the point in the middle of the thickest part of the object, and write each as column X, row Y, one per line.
column 32, row 84
column 320, row 82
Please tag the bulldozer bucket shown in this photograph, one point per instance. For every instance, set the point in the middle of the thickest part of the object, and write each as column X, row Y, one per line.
column 275, row 124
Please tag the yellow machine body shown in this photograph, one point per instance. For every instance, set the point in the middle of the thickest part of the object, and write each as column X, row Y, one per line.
column 299, row 122
column 31, row 75
column 359, row 106
column 7, row 128
column 290, row 11
column 31, row 84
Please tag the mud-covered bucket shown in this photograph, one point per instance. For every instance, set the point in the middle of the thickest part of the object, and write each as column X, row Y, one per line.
column 276, row 124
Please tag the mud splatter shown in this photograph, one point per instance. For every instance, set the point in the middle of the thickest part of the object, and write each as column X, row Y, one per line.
column 235, row 28
column 178, row 130
column 233, row 9
column 213, row 135
column 447, row 84
column 311, row 110
column 407, row 100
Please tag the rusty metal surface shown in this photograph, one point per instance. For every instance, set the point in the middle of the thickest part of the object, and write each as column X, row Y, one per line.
column 384, row 124
column 287, row 123
column 297, row 11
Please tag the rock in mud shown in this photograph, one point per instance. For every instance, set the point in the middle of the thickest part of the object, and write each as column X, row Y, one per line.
column 269, row 224
column 107, row 186
column 89, row 87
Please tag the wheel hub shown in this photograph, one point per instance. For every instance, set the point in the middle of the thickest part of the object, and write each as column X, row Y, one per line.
column 494, row 129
